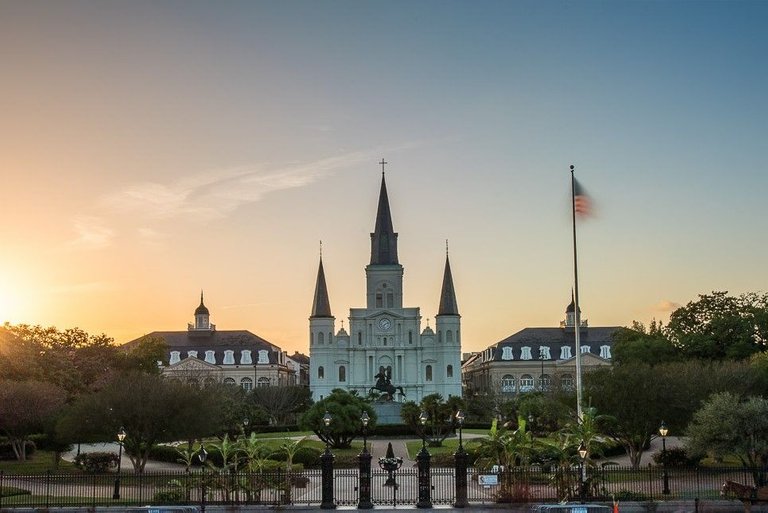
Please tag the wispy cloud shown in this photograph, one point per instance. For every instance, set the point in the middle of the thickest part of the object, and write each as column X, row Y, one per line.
column 666, row 306
column 92, row 233
column 214, row 194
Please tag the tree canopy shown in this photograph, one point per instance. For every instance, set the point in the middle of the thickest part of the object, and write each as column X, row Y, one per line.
column 345, row 409
column 26, row 408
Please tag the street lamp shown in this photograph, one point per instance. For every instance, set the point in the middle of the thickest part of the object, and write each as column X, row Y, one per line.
column 120, row 438
column 422, row 461
column 461, row 457
column 364, row 459
column 583, row 456
column 663, row 432
column 541, row 377
column 202, row 456
column 326, row 463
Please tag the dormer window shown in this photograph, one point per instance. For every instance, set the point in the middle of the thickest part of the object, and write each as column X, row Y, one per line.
column 245, row 357
column 175, row 357
column 605, row 352
column 506, row 353
column 525, row 353
column 192, row 354
column 210, row 357
column 229, row 357
column 565, row 353
column 544, row 353
column 263, row 356
column 585, row 349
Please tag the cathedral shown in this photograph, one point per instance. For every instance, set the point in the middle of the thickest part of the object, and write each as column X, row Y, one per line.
column 385, row 346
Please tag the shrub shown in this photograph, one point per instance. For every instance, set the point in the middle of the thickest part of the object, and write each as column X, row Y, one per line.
column 166, row 453
column 307, row 456
column 172, row 493
column 96, row 461
column 675, row 457
column 627, row 495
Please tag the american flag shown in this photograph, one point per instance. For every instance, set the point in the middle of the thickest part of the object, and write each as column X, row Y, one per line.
column 582, row 204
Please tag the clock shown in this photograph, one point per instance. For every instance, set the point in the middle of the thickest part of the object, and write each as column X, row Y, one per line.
column 385, row 324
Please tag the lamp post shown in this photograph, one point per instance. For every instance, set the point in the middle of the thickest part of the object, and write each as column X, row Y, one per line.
column 663, row 432
column 582, row 469
column 541, row 376
column 364, row 458
column 120, row 439
column 422, row 460
column 326, row 463
column 460, row 457
column 202, row 456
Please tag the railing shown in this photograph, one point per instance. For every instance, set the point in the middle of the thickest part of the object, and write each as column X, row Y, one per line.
column 524, row 484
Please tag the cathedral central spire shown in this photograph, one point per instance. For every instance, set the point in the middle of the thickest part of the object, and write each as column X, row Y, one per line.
column 448, row 305
column 384, row 238
column 321, row 306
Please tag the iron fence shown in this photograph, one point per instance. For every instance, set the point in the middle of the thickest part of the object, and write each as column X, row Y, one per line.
column 524, row 484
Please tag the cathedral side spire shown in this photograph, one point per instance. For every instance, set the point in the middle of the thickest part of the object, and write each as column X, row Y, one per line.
column 321, row 306
column 448, row 305
column 384, row 238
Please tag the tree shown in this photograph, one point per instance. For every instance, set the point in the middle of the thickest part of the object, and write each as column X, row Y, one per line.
column 441, row 416
column 71, row 359
column 728, row 425
column 345, row 409
column 640, row 345
column 718, row 326
column 150, row 408
column 144, row 355
column 26, row 408
column 281, row 404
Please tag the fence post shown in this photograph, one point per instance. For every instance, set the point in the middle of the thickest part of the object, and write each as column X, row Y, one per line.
column 2, row 475
column 48, row 488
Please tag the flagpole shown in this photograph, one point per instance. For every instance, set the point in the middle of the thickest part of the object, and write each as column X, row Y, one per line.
column 577, row 313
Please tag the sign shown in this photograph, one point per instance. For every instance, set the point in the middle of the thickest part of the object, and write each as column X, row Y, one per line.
column 487, row 479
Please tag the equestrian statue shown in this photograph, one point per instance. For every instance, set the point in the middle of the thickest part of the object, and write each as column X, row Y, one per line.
column 385, row 386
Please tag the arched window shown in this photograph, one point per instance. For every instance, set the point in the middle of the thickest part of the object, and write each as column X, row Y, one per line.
column 410, row 337
column 247, row 384
column 545, row 382
column 439, row 336
column 385, row 341
column 320, row 373
column 428, row 373
column 449, row 371
column 567, row 381
column 449, row 336
column 359, row 338
column 342, row 374
column 262, row 382
column 508, row 384
column 330, row 337
column 229, row 381
column 379, row 300
column 526, row 383
column 320, row 338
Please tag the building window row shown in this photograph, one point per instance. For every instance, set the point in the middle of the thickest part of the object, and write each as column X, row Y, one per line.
column 566, row 352
column 527, row 383
column 228, row 357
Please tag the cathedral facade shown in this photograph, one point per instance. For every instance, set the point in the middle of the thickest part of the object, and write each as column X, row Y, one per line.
column 385, row 345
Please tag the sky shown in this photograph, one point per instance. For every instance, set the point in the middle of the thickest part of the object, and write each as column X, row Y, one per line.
column 151, row 149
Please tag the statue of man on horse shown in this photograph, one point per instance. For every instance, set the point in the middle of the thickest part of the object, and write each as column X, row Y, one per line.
column 384, row 384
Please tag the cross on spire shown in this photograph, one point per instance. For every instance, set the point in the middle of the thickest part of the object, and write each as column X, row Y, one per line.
column 321, row 250
column 383, row 163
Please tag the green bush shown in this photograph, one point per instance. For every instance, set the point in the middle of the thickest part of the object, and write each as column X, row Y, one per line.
column 627, row 495
column 96, row 462
column 166, row 453
column 173, row 493
column 675, row 457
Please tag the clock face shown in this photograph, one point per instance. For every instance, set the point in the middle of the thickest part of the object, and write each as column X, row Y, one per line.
column 385, row 324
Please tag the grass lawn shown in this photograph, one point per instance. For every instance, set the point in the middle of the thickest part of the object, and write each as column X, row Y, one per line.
column 38, row 463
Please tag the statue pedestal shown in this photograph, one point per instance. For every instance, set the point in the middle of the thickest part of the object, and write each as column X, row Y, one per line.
column 388, row 412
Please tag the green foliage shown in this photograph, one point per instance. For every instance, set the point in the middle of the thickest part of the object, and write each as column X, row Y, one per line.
column 143, row 355
column 718, row 326
column 544, row 411
column 172, row 493
column 675, row 457
column 640, row 345
column 280, row 405
column 441, row 417
column 346, row 409
column 96, row 462
column 729, row 425
column 26, row 408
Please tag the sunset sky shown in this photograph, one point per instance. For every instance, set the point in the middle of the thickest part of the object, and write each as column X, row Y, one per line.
column 151, row 149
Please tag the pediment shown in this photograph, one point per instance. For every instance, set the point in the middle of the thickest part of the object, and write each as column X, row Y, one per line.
column 192, row 364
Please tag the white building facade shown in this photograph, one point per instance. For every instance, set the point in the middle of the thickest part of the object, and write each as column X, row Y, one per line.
column 385, row 335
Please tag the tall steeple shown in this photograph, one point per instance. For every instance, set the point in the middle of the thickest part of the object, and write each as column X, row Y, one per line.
column 384, row 238
column 448, row 305
column 321, row 306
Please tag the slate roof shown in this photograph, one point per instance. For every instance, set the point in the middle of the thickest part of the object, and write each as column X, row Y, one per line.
column 448, row 305
column 384, row 238
column 554, row 338
column 321, row 305
column 217, row 341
